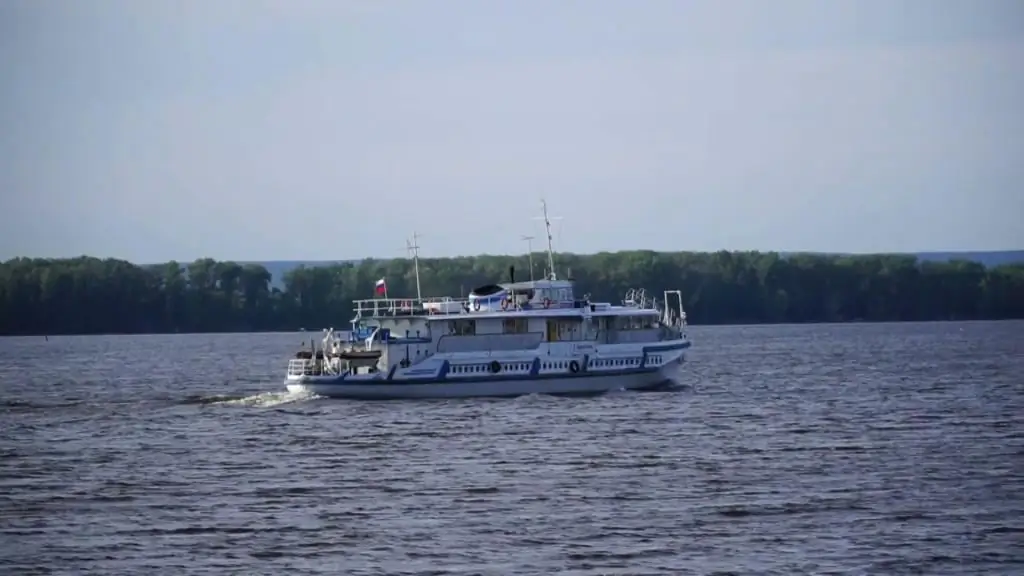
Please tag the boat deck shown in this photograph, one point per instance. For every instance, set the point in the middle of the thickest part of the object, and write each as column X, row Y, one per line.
column 440, row 308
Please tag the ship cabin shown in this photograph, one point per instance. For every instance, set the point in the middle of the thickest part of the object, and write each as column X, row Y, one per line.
column 523, row 315
column 515, row 315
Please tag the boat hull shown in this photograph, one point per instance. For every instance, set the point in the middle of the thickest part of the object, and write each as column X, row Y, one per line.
column 575, row 384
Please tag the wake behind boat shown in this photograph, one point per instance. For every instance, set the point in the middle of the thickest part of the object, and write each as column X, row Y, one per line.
column 509, row 339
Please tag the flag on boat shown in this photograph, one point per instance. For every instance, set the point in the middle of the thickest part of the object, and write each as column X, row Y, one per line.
column 381, row 287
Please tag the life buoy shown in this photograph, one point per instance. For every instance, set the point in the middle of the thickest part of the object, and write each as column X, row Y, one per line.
column 495, row 367
column 476, row 305
column 547, row 303
column 504, row 304
column 574, row 366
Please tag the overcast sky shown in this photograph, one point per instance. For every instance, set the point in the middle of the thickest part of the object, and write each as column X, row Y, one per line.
column 257, row 130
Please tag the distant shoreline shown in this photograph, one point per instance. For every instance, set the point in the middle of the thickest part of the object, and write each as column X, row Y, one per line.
column 92, row 296
column 988, row 258
column 316, row 334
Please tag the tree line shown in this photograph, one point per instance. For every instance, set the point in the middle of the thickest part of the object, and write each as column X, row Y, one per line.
column 90, row 296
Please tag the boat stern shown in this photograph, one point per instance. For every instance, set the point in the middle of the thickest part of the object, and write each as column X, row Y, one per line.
column 305, row 371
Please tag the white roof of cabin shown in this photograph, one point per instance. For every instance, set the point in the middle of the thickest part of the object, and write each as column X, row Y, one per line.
column 546, row 313
column 537, row 284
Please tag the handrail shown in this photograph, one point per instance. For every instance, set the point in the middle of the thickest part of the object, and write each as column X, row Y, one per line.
column 312, row 367
column 407, row 306
column 637, row 299
column 304, row 367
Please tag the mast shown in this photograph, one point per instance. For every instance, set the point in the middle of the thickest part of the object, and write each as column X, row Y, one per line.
column 551, row 252
column 415, row 249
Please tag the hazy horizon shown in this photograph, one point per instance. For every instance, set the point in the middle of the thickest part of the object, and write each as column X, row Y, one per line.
column 1001, row 256
column 258, row 131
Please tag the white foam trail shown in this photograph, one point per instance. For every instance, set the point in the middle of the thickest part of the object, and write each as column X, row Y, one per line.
column 535, row 397
column 269, row 399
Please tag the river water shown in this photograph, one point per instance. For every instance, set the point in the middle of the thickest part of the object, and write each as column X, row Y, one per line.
column 825, row 449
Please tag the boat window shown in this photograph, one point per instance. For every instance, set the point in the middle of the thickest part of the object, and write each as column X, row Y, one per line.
column 515, row 325
column 564, row 329
column 463, row 327
column 633, row 322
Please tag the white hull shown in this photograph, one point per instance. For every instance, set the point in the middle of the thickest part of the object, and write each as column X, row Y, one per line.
column 590, row 383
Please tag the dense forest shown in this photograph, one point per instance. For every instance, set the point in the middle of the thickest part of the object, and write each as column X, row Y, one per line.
column 88, row 295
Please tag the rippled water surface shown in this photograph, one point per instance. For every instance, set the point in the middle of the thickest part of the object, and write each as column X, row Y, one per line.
column 831, row 449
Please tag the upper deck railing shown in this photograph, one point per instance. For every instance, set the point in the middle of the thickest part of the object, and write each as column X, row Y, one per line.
column 376, row 307
column 412, row 307
column 302, row 367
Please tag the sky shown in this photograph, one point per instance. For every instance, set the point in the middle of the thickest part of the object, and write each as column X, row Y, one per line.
column 303, row 130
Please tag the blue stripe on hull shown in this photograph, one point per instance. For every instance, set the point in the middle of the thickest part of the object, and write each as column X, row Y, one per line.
column 667, row 347
column 490, row 390
column 370, row 397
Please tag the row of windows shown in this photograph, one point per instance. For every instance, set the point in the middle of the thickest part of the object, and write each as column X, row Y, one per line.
column 629, row 322
column 554, row 294
column 512, row 367
column 558, row 365
column 617, row 362
column 603, row 363
column 467, row 326
column 625, row 362
column 486, row 368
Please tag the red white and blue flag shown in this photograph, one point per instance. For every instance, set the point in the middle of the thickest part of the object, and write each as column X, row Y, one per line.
column 381, row 287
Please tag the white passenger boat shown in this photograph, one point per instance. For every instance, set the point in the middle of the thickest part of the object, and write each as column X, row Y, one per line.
column 510, row 339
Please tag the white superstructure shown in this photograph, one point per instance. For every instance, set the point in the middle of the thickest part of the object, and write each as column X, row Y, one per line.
column 505, row 339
